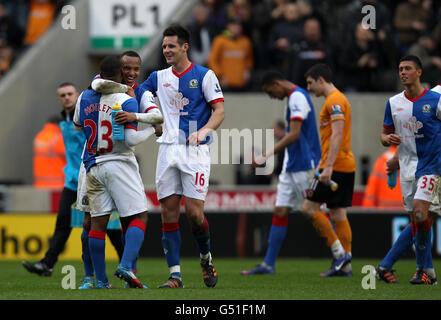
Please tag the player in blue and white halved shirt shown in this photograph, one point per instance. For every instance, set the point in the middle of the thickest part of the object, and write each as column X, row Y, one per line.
column 192, row 104
column 412, row 121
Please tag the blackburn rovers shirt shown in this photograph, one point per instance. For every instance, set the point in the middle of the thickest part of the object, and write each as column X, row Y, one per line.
column 418, row 122
column 93, row 113
column 304, row 153
column 185, row 100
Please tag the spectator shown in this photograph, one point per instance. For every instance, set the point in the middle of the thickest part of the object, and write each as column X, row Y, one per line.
column 263, row 16
column 201, row 34
column 277, row 12
column 49, row 156
column 312, row 49
column 231, row 58
column 355, row 15
column 218, row 15
column 411, row 20
column 283, row 36
column 240, row 10
column 359, row 61
column 41, row 16
column 18, row 11
column 11, row 39
column 426, row 49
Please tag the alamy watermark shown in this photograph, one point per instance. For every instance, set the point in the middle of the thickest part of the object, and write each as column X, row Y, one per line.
column 69, row 17
column 368, row 282
column 69, row 280
column 369, row 20
column 226, row 146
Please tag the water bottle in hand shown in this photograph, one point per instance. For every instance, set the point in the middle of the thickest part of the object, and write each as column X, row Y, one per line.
column 118, row 129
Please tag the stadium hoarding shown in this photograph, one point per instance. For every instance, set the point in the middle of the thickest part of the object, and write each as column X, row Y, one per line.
column 128, row 24
column 27, row 236
column 234, row 234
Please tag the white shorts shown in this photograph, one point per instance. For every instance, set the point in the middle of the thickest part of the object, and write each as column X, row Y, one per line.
column 116, row 185
column 82, row 200
column 183, row 170
column 426, row 188
column 291, row 188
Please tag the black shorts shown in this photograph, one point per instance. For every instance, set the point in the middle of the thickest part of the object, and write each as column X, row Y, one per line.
column 341, row 198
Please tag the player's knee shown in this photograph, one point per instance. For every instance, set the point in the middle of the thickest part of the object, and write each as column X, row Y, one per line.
column 281, row 211
column 307, row 210
column 419, row 215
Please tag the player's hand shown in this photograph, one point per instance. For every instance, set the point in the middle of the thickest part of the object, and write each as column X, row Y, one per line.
column 196, row 138
column 392, row 164
column 131, row 92
column 393, row 139
column 325, row 176
column 158, row 130
column 258, row 161
column 125, row 117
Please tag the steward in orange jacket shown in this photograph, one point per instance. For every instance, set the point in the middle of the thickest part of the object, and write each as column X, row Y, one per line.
column 377, row 193
column 49, row 157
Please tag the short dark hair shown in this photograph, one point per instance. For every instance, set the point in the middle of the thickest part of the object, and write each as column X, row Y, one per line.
column 177, row 30
column 270, row 77
column 414, row 59
column 320, row 70
column 110, row 66
column 131, row 53
column 66, row 84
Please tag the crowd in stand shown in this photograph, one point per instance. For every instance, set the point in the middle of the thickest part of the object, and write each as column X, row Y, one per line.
column 240, row 39
column 252, row 36
column 22, row 22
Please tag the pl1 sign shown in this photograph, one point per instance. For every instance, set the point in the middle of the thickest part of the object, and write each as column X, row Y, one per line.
column 129, row 24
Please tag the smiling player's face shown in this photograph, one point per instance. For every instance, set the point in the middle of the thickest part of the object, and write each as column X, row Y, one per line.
column 131, row 67
column 172, row 50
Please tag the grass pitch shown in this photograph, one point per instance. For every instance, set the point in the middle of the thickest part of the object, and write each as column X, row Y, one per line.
column 295, row 279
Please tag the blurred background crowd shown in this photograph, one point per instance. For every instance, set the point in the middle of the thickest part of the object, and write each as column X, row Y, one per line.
column 240, row 39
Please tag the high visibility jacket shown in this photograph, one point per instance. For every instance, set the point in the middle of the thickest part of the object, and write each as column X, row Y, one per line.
column 377, row 193
column 49, row 157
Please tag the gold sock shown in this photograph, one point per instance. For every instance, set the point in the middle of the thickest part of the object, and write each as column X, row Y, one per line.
column 344, row 233
column 324, row 228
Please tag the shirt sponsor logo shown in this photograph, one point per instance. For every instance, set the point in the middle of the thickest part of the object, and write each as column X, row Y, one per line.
column 166, row 85
column 413, row 125
column 179, row 101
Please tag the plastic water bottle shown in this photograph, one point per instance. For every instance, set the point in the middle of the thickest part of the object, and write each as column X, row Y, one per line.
column 333, row 185
column 118, row 129
column 392, row 179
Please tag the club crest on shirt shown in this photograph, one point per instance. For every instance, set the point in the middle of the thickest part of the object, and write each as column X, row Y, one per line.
column 426, row 108
column 193, row 83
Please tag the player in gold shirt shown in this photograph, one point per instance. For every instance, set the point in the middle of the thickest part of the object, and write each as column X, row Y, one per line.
column 337, row 165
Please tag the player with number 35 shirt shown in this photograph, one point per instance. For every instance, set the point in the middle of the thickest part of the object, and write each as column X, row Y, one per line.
column 412, row 120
